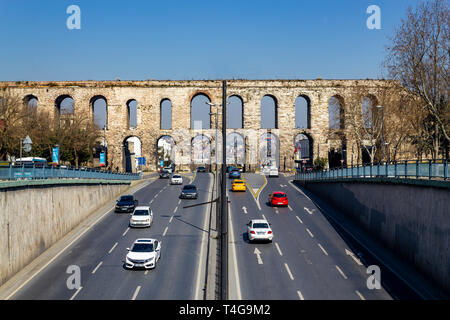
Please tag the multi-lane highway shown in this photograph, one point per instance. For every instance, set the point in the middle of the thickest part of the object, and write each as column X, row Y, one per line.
column 306, row 260
column 101, row 251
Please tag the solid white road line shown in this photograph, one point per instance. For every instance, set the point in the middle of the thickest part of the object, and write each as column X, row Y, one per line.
column 110, row 250
column 300, row 295
column 360, row 295
column 76, row 292
column 324, row 251
column 123, row 234
column 299, row 219
column 98, row 266
column 310, row 233
column 278, row 248
column 289, row 271
column 341, row 272
column 203, row 244
column 235, row 272
column 136, row 292
column 165, row 231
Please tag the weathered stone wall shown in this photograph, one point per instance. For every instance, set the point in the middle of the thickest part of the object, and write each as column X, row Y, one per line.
column 149, row 95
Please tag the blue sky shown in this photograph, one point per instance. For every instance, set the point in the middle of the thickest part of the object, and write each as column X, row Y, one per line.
column 138, row 40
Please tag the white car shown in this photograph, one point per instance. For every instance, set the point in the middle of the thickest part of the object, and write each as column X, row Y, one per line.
column 273, row 172
column 176, row 179
column 259, row 229
column 168, row 169
column 142, row 216
column 145, row 253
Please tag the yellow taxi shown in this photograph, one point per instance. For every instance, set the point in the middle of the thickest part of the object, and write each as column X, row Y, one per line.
column 238, row 185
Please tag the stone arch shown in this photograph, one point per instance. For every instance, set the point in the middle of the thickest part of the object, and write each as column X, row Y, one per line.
column 302, row 112
column 99, row 108
column 269, row 149
column 132, row 107
column 269, row 112
column 201, row 150
column 369, row 110
column 165, row 114
column 336, row 113
column 303, row 149
column 235, row 149
column 132, row 149
column 200, row 111
column 31, row 101
column 64, row 105
column 235, row 108
column 165, row 149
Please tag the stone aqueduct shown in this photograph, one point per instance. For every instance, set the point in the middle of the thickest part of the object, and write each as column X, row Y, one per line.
column 150, row 94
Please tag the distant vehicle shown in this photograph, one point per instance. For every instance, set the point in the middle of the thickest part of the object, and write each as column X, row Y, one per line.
column 126, row 203
column 278, row 198
column 273, row 172
column 164, row 174
column 30, row 161
column 169, row 169
column 231, row 168
column 240, row 168
column 235, row 174
column 189, row 191
column 142, row 217
column 176, row 179
column 259, row 229
column 145, row 253
column 238, row 185
column 201, row 169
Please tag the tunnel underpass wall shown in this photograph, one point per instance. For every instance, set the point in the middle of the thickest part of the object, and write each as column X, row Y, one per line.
column 33, row 218
column 411, row 219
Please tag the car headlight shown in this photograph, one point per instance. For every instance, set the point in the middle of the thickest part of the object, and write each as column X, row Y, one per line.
column 149, row 260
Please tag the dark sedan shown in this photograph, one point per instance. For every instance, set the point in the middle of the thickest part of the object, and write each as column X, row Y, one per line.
column 189, row 191
column 126, row 203
column 201, row 169
column 165, row 174
column 235, row 174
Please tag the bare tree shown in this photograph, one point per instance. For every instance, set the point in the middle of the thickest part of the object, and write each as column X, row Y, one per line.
column 419, row 58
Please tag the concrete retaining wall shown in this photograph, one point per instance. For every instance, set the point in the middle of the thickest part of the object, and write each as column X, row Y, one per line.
column 35, row 217
column 411, row 219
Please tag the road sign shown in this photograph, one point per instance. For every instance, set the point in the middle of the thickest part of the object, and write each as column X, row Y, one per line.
column 142, row 161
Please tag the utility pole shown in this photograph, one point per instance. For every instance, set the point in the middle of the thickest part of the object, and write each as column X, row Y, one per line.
column 224, row 200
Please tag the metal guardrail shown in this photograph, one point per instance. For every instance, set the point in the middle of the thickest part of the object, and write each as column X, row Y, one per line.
column 34, row 172
column 431, row 169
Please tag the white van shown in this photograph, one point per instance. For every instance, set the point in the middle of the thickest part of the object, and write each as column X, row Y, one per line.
column 273, row 172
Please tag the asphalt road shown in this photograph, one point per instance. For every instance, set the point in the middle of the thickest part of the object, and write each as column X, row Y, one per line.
column 101, row 251
column 306, row 260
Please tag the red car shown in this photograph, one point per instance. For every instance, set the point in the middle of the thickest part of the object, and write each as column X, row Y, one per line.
column 278, row 198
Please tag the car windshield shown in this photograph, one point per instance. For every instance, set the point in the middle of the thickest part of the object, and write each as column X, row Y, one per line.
column 140, row 213
column 239, row 182
column 176, row 176
column 165, row 171
column 142, row 247
column 189, row 188
column 279, row 195
column 260, row 225
column 126, row 198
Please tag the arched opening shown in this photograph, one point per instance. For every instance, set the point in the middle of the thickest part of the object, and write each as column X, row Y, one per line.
column 132, row 113
column 166, row 114
column 100, row 111
column 269, row 112
column 302, row 112
column 31, row 102
column 166, row 152
column 200, row 112
column 235, row 113
column 201, row 151
column 132, row 148
column 336, row 113
column 269, row 151
column 303, row 148
column 65, row 105
column 235, row 149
